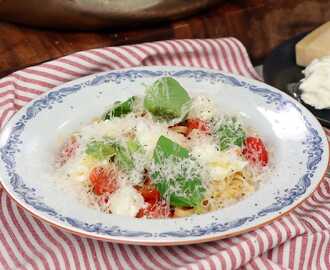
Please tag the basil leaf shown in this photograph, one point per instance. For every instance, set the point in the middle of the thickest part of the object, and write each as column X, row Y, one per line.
column 100, row 150
column 194, row 190
column 178, row 201
column 134, row 146
column 124, row 159
column 167, row 99
column 120, row 109
column 166, row 148
column 188, row 191
column 162, row 186
column 230, row 133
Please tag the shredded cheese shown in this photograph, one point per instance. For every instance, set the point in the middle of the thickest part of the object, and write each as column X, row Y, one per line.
column 226, row 175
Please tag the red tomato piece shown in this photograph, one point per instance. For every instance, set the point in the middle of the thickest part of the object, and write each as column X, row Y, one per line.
column 149, row 193
column 103, row 180
column 147, row 180
column 159, row 209
column 255, row 151
column 196, row 123
column 68, row 150
column 140, row 214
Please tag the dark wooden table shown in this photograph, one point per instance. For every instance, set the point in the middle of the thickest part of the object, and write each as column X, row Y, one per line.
column 259, row 24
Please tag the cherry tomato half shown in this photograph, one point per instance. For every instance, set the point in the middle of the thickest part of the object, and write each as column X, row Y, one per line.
column 149, row 193
column 255, row 151
column 196, row 123
column 103, row 179
column 159, row 209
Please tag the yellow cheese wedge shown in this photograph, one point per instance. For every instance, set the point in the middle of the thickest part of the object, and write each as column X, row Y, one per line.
column 314, row 45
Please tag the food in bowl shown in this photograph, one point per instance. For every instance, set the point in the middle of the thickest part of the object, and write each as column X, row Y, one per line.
column 163, row 155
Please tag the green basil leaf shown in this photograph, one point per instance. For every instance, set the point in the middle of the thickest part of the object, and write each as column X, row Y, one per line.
column 166, row 148
column 100, row 150
column 162, row 186
column 179, row 201
column 167, row 99
column 230, row 133
column 123, row 158
column 194, row 190
column 120, row 109
column 188, row 191
column 133, row 146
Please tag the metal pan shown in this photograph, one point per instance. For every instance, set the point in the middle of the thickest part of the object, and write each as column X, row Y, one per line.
column 97, row 14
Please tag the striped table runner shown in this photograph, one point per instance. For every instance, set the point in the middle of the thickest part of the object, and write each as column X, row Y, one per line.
column 300, row 240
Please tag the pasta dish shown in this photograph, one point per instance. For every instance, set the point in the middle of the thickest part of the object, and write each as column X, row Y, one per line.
column 162, row 155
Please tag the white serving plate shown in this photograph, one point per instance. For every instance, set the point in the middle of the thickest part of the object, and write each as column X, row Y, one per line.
column 299, row 154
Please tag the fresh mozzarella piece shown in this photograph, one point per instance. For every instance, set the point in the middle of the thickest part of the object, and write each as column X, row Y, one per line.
column 78, row 168
column 219, row 164
column 225, row 165
column 148, row 133
column 205, row 152
column 113, row 128
column 79, row 173
column 126, row 202
column 203, row 108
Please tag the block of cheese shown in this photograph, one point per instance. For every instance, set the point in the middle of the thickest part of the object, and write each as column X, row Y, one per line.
column 314, row 45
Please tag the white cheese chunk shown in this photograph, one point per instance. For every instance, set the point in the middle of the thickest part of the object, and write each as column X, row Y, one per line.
column 203, row 108
column 314, row 45
column 77, row 169
column 219, row 164
column 147, row 134
column 126, row 201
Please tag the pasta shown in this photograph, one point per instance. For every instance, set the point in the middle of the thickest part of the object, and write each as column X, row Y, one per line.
column 163, row 155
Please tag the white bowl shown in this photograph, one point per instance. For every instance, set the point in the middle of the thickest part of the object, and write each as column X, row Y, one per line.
column 299, row 154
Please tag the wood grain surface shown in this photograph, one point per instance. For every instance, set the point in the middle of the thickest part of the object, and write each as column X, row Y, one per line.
column 259, row 24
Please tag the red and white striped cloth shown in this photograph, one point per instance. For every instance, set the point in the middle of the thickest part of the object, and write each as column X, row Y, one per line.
column 300, row 240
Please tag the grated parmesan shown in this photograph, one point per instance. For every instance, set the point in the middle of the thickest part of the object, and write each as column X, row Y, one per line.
column 226, row 175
